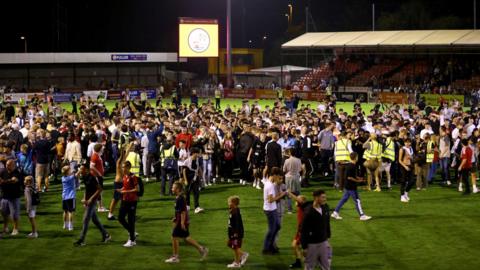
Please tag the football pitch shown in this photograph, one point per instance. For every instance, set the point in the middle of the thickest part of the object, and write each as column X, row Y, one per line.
column 438, row 229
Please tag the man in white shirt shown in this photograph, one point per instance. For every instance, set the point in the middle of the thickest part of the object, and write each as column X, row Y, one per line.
column 270, row 197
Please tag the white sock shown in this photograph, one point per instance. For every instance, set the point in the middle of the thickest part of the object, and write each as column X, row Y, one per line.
column 460, row 185
column 110, row 215
column 474, row 186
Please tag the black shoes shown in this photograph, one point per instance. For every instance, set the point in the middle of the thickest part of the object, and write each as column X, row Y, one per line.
column 296, row 264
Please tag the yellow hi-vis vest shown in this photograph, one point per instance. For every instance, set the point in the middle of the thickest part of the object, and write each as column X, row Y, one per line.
column 429, row 152
column 375, row 151
column 134, row 159
column 280, row 93
column 341, row 150
column 389, row 152
column 218, row 94
column 167, row 153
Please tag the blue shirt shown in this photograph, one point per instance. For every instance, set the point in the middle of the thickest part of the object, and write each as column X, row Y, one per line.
column 287, row 144
column 69, row 188
column 153, row 146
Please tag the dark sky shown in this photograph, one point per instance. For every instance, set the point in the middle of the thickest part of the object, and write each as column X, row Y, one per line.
column 151, row 25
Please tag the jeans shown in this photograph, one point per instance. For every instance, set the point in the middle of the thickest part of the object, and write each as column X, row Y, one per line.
column 151, row 159
column 444, row 165
column 325, row 156
column 465, row 173
column 91, row 214
column 207, row 171
column 356, row 199
column 194, row 187
column 273, row 229
column 432, row 171
column 128, row 209
column 170, row 175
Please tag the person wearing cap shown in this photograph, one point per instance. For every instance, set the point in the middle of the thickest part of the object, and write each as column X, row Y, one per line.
column 372, row 156
column 315, row 233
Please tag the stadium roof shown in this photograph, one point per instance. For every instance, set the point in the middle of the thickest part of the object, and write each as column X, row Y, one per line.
column 385, row 38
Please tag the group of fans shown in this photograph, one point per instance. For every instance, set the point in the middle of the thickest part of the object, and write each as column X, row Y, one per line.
column 190, row 147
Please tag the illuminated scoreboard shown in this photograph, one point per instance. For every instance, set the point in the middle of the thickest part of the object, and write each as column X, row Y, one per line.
column 198, row 37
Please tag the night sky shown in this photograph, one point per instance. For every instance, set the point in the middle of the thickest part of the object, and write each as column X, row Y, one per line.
column 151, row 25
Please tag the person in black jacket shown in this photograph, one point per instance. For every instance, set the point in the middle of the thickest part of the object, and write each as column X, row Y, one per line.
column 273, row 153
column 315, row 233
column 235, row 233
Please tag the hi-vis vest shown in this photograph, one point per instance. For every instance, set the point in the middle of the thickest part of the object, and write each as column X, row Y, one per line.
column 280, row 93
column 389, row 151
column 341, row 150
column 134, row 159
column 375, row 151
column 429, row 152
column 218, row 94
column 168, row 153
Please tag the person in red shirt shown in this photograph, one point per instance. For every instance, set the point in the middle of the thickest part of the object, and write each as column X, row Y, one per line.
column 465, row 167
column 185, row 136
column 296, row 245
column 97, row 170
column 128, row 206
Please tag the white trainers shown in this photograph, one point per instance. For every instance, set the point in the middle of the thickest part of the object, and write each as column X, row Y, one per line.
column 403, row 199
column 336, row 216
column 244, row 258
column 449, row 183
column 198, row 210
column 234, row 265
column 173, row 259
column 203, row 253
column 102, row 210
column 406, row 196
column 475, row 190
column 14, row 232
column 32, row 235
column 460, row 188
column 130, row 243
column 365, row 218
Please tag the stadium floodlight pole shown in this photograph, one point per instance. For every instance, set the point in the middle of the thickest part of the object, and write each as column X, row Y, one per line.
column 288, row 19
column 290, row 14
column 229, row 42
column 373, row 16
column 24, row 42
column 474, row 14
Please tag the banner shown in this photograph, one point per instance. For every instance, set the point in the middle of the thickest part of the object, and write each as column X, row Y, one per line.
column 15, row 97
column 239, row 93
column 266, row 94
column 65, row 97
column 393, row 98
column 151, row 93
column 95, row 93
column 435, row 99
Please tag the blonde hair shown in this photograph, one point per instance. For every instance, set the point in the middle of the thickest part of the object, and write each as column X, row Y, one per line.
column 235, row 200
column 28, row 180
column 65, row 169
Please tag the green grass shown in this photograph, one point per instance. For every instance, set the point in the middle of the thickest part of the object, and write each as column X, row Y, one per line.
column 438, row 229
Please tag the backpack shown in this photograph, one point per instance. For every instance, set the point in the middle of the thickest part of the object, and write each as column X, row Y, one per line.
column 35, row 197
column 170, row 163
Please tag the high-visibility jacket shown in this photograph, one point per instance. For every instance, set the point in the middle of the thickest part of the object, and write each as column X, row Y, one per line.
column 134, row 159
column 341, row 150
column 280, row 93
column 375, row 151
column 389, row 151
column 430, row 152
column 167, row 153
column 218, row 94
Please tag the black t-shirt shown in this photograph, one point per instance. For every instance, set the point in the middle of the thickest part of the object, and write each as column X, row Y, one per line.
column 245, row 143
column 91, row 185
column 42, row 149
column 180, row 206
column 11, row 190
column 351, row 170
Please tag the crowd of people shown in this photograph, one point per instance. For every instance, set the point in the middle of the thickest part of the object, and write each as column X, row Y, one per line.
column 187, row 148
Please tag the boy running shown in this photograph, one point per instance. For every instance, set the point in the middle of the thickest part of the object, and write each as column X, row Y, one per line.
column 235, row 233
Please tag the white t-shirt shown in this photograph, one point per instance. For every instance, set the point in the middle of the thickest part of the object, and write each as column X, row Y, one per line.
column 269, row 189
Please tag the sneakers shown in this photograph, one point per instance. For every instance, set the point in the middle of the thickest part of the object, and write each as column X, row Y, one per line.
column 14, row 232
column 203, row 253
column 403, row 199
column 79, row 243
column 244, row 258
column 147, row 179
column 198, row 210
column 378, row 189
column 70, row 227
column 32, row 235
column 106, row 238
column 449, row 183
column 365, row 218
column 173, row 259
column 296, row 264
column 460, row 188
column 336, row 216
column 130, row 244
column 111, row 217
column 102, row 210
column 475, row 190
column 234, row 265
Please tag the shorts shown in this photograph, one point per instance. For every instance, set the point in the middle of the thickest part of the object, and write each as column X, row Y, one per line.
column 117, row 196
column 385, row 167
column 33, row 211
column 11, row 207
column 42, row 170
column 178, row 232
column 234, row 243
column 68, row 205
